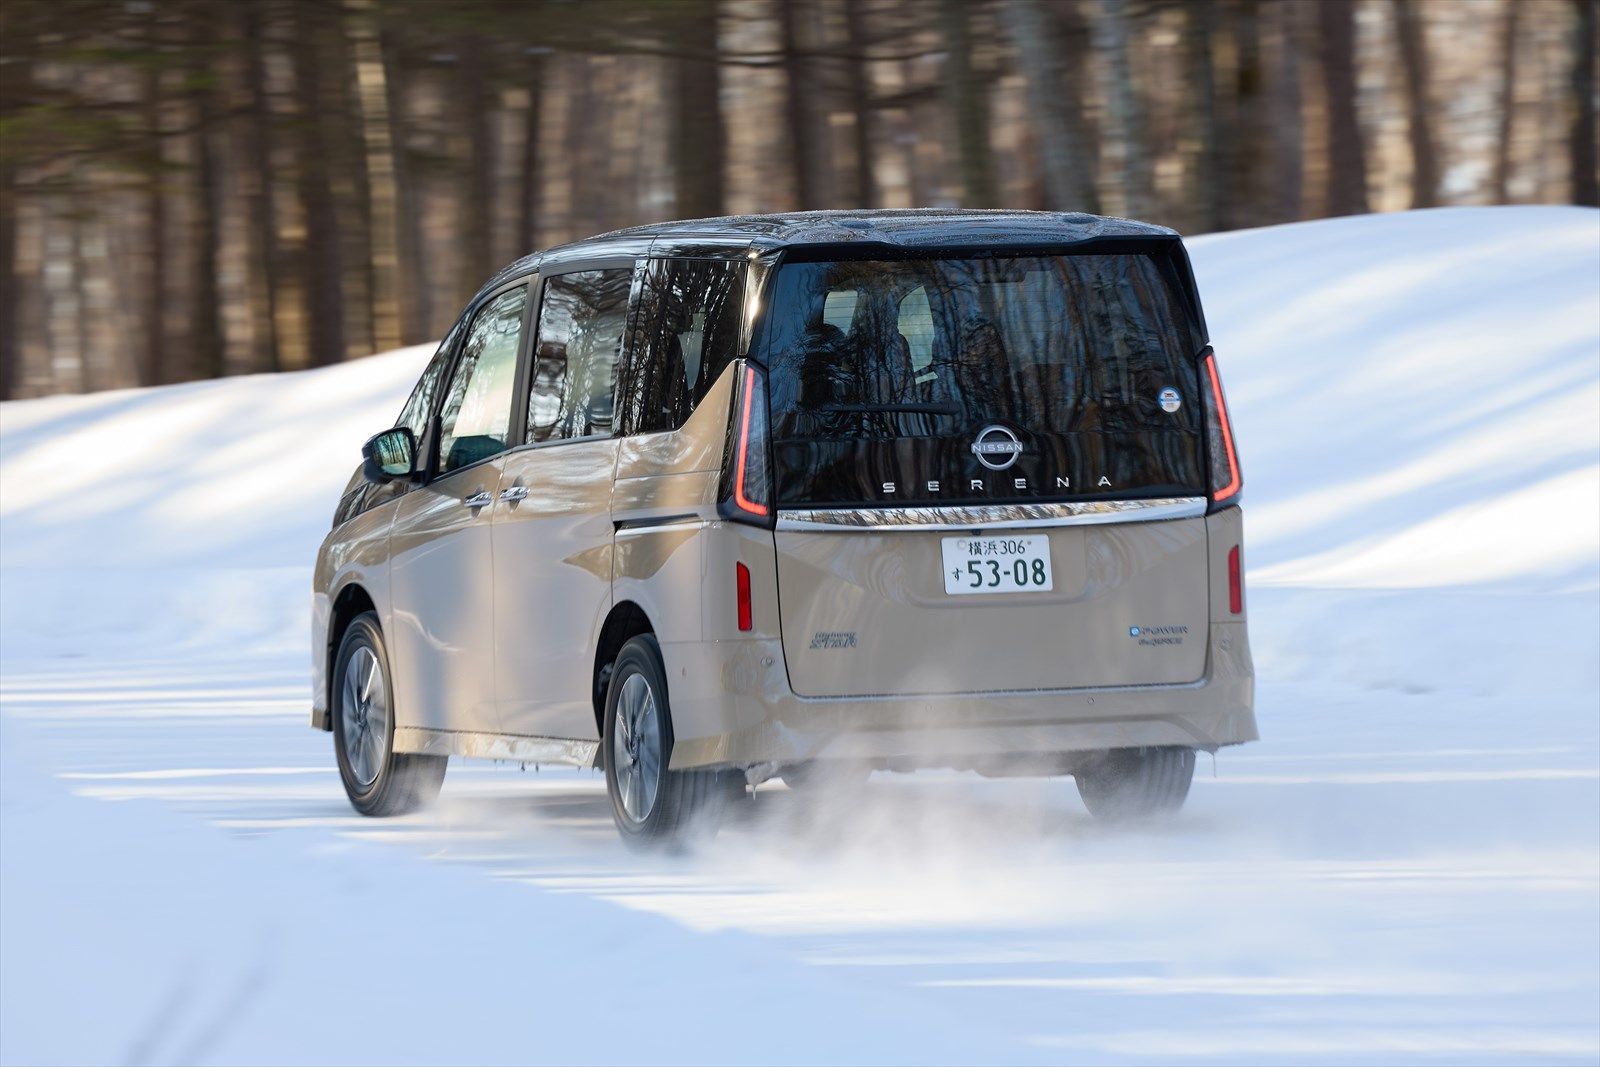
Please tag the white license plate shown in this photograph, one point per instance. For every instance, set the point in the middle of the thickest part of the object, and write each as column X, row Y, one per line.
column 996, row 564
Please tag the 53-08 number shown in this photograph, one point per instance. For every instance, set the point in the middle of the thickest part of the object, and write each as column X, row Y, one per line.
column 996, row 564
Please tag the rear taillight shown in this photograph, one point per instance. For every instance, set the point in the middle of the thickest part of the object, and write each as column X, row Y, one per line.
column 1224, row 460
column 1235, row 583
column 747, row 488
column 741, row 578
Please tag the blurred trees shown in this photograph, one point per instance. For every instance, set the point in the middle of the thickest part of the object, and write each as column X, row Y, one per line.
column 1582, row 138
column 191, row 188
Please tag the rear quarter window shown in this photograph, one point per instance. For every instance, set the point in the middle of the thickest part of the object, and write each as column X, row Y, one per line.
column 690, row 315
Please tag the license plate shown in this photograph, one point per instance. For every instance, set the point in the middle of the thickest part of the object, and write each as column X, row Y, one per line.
column 996, row 564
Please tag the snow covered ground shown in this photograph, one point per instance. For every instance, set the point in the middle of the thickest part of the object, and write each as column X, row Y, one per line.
column 1407, row 867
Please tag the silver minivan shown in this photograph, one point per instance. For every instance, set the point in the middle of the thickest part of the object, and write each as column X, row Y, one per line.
column 801, row 496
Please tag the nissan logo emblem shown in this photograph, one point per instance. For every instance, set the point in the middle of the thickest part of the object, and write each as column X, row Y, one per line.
column 996, row 447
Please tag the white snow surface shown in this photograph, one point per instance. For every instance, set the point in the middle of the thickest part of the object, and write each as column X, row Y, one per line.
column 1405, row 868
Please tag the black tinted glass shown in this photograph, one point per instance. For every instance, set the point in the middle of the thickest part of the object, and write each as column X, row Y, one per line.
column 574, row 370
column 690, row 315
column 885, row 374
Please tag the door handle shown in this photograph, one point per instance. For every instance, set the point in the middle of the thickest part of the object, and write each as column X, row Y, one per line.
column 481, row 499
column 514, row 494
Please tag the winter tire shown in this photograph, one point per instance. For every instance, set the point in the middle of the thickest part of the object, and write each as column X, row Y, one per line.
column 378, row 780
column 1136, row 783
column 651, row 805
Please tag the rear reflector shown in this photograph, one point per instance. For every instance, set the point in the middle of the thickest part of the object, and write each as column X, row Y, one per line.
column 1235, row 583
column 1225, row 478
column 741, row 575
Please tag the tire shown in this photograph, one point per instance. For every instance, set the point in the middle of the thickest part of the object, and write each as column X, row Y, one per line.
column 826, row 776
column 652, row 806
column 378, row 780
column 1136, row 783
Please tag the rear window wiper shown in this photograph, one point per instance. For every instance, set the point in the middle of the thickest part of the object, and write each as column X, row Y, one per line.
column 947, row 410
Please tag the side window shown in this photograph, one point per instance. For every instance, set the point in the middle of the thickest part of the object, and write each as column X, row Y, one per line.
column 574, row 371
column 690, row 315
column 420, row 404
column 475, row 422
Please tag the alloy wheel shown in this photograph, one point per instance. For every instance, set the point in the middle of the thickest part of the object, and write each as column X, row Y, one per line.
column 364, row 708
column 636, row 747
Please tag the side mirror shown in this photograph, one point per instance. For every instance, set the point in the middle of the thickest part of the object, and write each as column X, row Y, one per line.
column 389, row 455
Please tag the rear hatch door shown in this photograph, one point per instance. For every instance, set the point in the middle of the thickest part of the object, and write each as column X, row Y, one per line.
column 989, row 473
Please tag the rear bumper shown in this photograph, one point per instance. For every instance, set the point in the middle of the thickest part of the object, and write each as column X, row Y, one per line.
column 732, row 707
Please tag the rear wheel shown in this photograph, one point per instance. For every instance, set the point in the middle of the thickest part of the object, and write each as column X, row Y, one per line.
column 378, row 780
column 1136, row 783
column 651, row 805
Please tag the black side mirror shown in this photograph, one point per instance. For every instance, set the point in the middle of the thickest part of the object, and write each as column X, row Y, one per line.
column 389, row 455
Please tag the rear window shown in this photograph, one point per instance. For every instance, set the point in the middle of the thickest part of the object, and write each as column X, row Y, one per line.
column 884, row 374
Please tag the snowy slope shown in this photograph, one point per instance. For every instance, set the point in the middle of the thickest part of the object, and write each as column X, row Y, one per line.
column 1408, row 866
column 1417, row 396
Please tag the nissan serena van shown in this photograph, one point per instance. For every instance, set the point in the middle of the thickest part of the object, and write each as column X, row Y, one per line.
column 801, row 496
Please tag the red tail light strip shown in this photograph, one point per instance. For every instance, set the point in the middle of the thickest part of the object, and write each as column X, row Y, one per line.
column 1227, row 431
column 744, row 446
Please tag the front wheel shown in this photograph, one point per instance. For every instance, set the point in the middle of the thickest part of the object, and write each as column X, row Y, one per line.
column 651, row 805
column 377, row 779
column 1136, row 783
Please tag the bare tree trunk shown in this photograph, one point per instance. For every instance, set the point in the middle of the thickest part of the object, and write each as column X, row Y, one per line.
column 528, row 184
column 14, row 79
column 63, row 340
column 412, row 286
column 321, row 255
column 1205, row 177
column 261, row 216
column 1585, row 185
column 696, row 113
column 1347, row 161
column 10, row 349
column 372, row 106
column 1244, row 143
column 476, row 197
column 614, row 167
column 969, row 104
column 154, row 370
column 794, row 107
column 1063, row 159
column 626, row 87
column 1286, row 121
column 1501, row 182
column 207, row 358
column 1414, row 62
column 581, row 72
column 85, row 314
column 859, row 85
column 803, row 109
column 1127, row 110
column 908, row 136
column 1070, row 32
column 346, row 146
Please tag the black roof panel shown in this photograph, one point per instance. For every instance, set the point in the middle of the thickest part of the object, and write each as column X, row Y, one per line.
column 892, row 229
column 907, row 228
